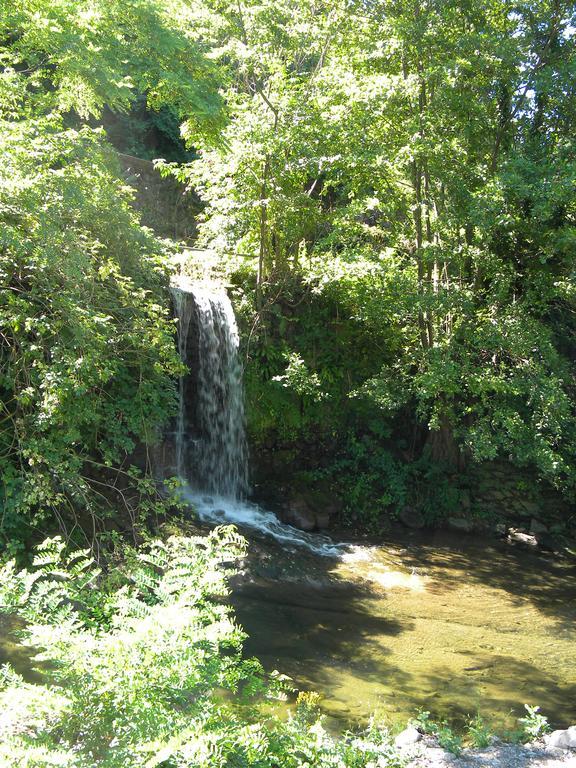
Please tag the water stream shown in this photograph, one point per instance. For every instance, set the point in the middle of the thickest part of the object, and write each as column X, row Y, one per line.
column 439, row 621
column 443, row 622
column 210, row 438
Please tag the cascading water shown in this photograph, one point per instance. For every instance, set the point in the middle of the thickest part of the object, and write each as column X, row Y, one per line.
column 210, row 436
column 183, row 307
column 210, row 439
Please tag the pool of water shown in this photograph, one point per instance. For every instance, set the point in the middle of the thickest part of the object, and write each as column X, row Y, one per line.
column 441, row 622
column 438, row 621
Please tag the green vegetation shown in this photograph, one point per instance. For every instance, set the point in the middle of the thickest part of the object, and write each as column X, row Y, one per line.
column 87, row 358
column 395, row 200
column 145, row 668
column 388, row 188
column 478, row 732
column 447, row 738
column 534, row 724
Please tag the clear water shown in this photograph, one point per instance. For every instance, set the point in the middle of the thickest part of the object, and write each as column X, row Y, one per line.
column 440, row 622
column 450, row 624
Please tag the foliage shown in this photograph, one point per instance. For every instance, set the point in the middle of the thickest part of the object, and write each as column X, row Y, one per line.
column 446, row 737
column 414, row 165
column 86, row 340
column 136, row 675
column 146, row 133
column 534, row 724
column 478, row 732
column 83, row 56
column 87, row 358
column 375, row 484
column 299, row 379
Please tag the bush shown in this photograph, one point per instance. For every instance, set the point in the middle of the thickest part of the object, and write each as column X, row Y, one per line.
column 147, row 669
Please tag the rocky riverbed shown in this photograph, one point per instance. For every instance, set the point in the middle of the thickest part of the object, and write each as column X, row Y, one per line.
column 427, row 753
column 437, row 621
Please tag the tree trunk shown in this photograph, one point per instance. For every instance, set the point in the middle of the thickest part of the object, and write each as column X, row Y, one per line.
column 443, row 448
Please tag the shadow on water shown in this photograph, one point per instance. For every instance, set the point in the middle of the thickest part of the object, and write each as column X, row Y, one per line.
column 528, row 577
column 327, row 622
column 482, row 626
column 13, row 652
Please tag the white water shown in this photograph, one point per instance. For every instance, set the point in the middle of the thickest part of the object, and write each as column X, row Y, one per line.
column 222, row 509
column 183, row 309
column 210, row 438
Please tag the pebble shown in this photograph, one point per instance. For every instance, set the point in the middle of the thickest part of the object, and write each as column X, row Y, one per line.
column 536, row 755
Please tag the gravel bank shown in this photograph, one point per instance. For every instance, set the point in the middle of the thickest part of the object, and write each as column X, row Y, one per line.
column 427, row 754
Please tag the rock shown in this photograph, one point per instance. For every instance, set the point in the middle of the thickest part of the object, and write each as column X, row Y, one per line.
column 460, row 524
column 308, row 512
column 500, row 529
column 438, row 756
column 563, row 739
column 518, row 537
column 407, row 737
column 207, row 499
column 411, row 518
column 537, row 527
column 299, row 514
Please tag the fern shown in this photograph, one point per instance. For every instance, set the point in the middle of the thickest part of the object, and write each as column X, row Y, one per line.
column 140, row 684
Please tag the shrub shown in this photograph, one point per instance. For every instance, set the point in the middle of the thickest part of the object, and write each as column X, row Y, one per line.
column 147, row 669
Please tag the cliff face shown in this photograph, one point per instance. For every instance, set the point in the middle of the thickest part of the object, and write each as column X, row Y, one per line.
column 164, row 204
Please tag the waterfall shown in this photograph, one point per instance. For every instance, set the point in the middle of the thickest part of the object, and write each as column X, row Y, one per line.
column 183, row 307
column 210, row 438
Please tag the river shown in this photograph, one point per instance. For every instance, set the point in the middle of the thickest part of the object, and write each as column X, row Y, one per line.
column 439, row 621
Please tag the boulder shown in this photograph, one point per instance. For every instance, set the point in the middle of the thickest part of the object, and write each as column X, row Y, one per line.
column 299, row 514
column 519, row 537
column 407, row 737
column 411, row 518
column 537, row 527
column 563, row 739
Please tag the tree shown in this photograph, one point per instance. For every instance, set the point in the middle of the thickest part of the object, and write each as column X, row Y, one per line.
column 414, row 137
column 87, row 354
